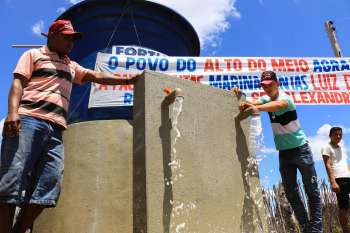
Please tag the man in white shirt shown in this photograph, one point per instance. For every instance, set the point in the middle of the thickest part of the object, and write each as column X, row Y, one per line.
column 338, row 173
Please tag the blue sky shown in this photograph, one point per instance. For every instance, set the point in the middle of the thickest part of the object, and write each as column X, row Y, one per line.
column 265, row 28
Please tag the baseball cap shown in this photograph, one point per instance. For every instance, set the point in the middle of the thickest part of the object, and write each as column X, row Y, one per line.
column 268, row 77
column 64, row 27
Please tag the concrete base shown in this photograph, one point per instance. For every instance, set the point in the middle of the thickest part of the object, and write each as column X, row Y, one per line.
column 107, row 188
column 211, row 188
column 97, row 186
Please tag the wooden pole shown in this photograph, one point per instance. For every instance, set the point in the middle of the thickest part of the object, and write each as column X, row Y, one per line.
column 330, row 29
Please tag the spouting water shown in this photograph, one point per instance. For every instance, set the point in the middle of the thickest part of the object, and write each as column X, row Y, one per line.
column 256, row 141
column 181, row 210
column 177, row 109
column 256, row 131
column 255, row 144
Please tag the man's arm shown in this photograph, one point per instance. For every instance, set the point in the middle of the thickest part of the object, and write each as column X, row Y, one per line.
column 12, row 122
column 272, row 106
column 107, row 78
column 247, row 104
column 328, row 164
column 244, row 104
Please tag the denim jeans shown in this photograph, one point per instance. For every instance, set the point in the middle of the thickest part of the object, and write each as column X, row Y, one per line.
column 301, row 158
column 31, row 164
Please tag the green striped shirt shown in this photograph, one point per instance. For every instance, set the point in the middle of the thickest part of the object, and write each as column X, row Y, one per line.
column 285, row 124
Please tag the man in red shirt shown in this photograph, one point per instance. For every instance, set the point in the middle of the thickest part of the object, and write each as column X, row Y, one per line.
column 31, row 163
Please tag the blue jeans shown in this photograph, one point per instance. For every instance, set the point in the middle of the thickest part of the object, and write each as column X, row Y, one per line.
column 301, row 158
column 31, row 165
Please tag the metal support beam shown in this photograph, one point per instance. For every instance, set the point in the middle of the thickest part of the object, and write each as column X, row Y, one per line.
column 25, row 46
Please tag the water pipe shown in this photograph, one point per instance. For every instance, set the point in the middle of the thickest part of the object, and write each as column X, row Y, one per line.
column 172, row 95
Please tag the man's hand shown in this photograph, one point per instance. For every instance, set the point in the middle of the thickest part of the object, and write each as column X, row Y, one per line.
column 134, row 78
column 244, row 105
column 237, row 92
column 12, row 125
column 335, row 187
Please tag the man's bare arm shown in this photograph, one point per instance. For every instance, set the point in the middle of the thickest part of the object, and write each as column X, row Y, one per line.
column 272, row 106
column 245, row 103
column 328, row 164
column 107, row 78
column 12, row 122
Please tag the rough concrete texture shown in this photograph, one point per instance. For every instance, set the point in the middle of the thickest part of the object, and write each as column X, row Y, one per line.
column 109, row 189
column 211, row 188
column 97, row 186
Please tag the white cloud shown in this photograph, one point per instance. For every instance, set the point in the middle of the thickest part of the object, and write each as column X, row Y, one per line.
column 38, row 27
column 268, row 150
column 1, row 128
column 208, row 18
column 346, row 130
column 74, row 1
column 60, row 10
column 319, row 140
column 322, row 138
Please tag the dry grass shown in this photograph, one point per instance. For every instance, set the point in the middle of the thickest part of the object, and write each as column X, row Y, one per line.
column 280, row 215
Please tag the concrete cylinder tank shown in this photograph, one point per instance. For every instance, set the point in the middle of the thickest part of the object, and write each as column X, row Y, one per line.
column 97, row 191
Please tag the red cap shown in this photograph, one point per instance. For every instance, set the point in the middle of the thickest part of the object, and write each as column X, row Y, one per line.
column 268, row 77
column 64, row 27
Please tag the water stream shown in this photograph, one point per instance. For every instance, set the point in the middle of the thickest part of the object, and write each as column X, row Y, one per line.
column 177, row 109
column 256, row 143
column 182, row 210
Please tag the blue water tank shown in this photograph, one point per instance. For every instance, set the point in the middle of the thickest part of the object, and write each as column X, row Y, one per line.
column 123, row 22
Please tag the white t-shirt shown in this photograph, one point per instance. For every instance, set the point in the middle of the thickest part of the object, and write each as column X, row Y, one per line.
column 338, row 159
